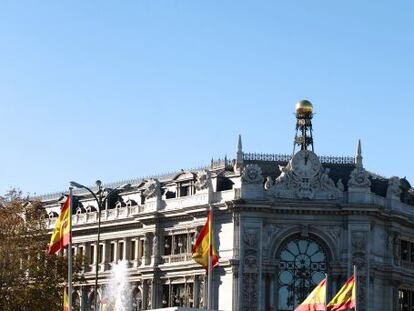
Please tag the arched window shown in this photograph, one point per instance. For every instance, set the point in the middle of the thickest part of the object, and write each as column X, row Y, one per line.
column 302, row 265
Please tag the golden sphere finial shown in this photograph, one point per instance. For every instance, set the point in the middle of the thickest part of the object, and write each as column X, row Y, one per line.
column 304, row 107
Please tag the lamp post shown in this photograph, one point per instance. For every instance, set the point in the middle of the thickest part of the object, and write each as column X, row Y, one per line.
column 100, row 199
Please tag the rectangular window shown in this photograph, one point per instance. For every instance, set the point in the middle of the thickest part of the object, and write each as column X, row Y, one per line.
column 184, row 191
column 167, row 244
column 92, row 254
column 100, row 253
column 112, row 252
column 80, row 254
column 121, row 251
column 404, row 250
column 165, row 302
column 404, row 300
column 141, row 248
column 133, row 244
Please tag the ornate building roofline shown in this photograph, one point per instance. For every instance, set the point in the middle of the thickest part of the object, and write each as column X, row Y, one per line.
column 278, row 157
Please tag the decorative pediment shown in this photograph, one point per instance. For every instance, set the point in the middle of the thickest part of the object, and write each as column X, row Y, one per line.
column 305, row 178
column 183, row 176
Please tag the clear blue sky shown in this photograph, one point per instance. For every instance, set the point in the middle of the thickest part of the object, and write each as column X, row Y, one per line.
column 121, row 89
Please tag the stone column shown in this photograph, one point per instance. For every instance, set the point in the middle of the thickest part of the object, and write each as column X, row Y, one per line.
column 105, row 254
column 135, row 250
column 125, row 249
column 95, row 256
column 115, row 251
column 155, row 249
column 147, row 249
column 196, row 288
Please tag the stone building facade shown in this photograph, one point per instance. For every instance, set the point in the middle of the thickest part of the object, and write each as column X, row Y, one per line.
column 280, row 223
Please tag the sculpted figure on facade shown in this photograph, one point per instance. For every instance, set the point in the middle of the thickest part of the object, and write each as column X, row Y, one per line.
column 394, row 189
column 250, row 238
column 252, row 174
column 269, row 183
column 340, row 185
column 396, row 248
column 359, row 178
column 326, row 182
column 152, row 189
column 203, row 180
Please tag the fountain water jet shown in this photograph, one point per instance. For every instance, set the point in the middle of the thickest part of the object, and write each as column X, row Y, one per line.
column 118, row 291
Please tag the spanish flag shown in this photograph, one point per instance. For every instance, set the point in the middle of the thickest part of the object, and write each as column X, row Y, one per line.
column 62, row 233
column 65, row 300
column 204, row 244
column 346, row 297
column 316, row 301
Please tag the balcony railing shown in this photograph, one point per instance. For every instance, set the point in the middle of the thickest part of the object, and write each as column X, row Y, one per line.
column 169, row 259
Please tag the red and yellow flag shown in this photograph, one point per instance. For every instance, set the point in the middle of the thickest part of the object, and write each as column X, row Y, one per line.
column 204, row 244
column 316, row 301
column 62, row 233
column 346, row 297
column 65, row 300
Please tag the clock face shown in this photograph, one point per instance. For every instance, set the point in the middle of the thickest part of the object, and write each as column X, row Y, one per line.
column 305, row 164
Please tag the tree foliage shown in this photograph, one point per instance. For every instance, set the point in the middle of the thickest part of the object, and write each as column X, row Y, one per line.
column 30, row 278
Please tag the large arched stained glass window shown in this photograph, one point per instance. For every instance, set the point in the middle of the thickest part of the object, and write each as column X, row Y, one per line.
column 302, row 265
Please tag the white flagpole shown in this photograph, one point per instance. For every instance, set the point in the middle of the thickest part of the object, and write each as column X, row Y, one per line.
column 356, row 287
column 70, row 289
column 210, row 270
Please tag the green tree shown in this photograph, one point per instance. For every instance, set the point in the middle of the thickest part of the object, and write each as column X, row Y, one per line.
column 30, row 278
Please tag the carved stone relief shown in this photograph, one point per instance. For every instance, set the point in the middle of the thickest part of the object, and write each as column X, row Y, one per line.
column 152, row 189
column 250, row 269
column 252, row 174
column 359, row 178
column 203, row 180
column 394, row 189
column 396, row 248
column 359, row 259
column 304, row 178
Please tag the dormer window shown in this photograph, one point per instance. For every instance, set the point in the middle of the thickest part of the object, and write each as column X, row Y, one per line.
column 130, row 203
column 90, row 208
column 186, row 189
column 53, row 215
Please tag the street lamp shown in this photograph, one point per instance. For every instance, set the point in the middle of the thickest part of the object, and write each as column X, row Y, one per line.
column 100, row 200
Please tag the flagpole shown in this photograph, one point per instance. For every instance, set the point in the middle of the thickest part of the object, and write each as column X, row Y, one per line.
column 356, row 287
column 210, row 270
column 70, row 251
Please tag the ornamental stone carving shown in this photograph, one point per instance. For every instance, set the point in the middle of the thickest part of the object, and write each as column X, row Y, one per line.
column 250, row 238
column 252, row 174
column 203, row 180
column 394, row 189
column 250, row 269
column 304, row 178
column 340, row 185
column 359, row 178
column 152, row 189
column 396, row 248
column 268, row 183
column 359, row 259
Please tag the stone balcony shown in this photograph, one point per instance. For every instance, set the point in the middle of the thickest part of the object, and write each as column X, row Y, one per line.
column 171, row 259
column 126, row 212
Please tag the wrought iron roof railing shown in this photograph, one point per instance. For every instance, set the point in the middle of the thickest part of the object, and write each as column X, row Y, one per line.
column 215, row 164
column 287, row 157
